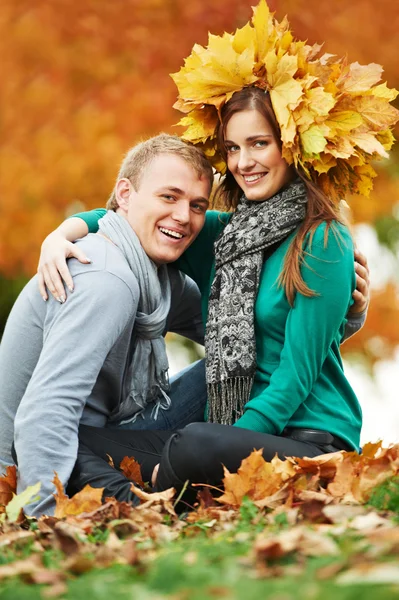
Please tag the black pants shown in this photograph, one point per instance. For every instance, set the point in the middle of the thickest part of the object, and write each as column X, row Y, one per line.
column 195, row 453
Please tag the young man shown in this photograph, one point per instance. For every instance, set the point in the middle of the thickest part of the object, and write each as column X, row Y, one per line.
column 100, row 356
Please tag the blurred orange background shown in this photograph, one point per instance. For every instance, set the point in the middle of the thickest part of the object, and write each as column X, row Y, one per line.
column 83, row 81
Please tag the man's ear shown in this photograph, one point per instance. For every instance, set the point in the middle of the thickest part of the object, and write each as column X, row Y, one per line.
column 123, row 189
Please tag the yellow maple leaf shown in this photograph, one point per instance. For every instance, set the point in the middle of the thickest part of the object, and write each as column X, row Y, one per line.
column 262, row 23
column 86, row 500
column 200, row 124
column 320, row 102
column 244, row 39
column 359, row 78
column 382, row 91
column 325, row 163
column 376, row 111
column 341, row 148
column 368, row 142
column 344, row 120
column 365, row 175
column 386, row 138
column 222, row 71
column 313, row 140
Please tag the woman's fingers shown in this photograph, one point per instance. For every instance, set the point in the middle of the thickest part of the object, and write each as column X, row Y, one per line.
column 54, row 282
column 154, row 475
column 42, row 286
column 53, row 269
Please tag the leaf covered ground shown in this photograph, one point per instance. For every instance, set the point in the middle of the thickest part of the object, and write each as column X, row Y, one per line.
column 320, row 528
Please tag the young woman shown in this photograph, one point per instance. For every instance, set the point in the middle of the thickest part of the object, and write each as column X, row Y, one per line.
column 276, row 276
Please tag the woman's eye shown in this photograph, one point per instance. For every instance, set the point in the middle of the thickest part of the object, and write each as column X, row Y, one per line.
column 232, row 149
column 260, row 144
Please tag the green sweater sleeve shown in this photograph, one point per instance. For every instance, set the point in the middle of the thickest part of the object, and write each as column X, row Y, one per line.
column 91, row 218
column 312, row 327
column 197, row 261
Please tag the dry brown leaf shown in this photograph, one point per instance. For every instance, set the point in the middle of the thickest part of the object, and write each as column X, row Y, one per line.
column 21, row 567
column 316, row 543
column 8, row 485
column 324, row 465
column 132, row 470
column 343, row 480
column 255, row 478
column 16, row 537
column 279, row 545
column 387, row 573
column 69, row 538
column 342, row 513
column 84, row 501
column 274, row 500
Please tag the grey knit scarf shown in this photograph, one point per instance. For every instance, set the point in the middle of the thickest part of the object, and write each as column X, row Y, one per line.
column 230, row 346
column 149, row 364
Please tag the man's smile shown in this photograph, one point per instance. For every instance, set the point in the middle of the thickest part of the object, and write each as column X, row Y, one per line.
column 171, row 233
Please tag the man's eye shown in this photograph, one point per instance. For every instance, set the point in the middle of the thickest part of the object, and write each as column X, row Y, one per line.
column 168, row 197
column 198, row 208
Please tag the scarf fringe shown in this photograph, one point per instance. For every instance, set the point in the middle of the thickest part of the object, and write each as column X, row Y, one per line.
column 227, row 399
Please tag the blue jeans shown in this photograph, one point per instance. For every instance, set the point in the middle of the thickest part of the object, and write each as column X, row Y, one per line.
column 188, row 402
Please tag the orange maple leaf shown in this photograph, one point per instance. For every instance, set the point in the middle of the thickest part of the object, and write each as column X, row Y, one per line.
column 8, row 485
column 84, row 501
column 132, row 470
column 256, row 479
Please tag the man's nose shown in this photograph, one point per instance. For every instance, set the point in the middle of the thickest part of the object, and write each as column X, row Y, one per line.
column 181, row 212
column 245, row 159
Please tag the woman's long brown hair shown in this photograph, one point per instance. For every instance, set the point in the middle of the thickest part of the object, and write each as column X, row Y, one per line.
column 319, row 207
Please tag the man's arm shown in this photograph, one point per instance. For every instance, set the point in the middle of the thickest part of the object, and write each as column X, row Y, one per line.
column 77, row 338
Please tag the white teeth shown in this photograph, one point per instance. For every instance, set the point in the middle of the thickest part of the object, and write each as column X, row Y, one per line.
column 250, row 178
column 174, row 234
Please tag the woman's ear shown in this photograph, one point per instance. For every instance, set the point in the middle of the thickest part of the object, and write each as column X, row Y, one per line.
column 123, row 190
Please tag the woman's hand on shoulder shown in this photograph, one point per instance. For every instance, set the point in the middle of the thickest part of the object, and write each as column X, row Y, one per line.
column 361, row 295
column 52, row 269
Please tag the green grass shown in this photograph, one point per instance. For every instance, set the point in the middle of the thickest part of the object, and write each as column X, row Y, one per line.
column 203, row 564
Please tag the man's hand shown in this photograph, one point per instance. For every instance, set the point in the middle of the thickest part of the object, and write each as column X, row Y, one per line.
column 361, row 295
column 53, row 268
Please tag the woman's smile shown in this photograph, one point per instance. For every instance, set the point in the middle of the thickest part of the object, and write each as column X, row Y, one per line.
column 254, row 156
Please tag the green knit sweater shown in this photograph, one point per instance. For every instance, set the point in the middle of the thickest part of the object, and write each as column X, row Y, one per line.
column 299, row 381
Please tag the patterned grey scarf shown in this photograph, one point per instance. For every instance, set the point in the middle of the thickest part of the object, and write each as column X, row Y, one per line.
column 230, row 346
column 149, row 365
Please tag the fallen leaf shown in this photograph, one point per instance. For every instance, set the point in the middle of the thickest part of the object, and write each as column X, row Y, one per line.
column 21, row 567
column 132, row 470
column 16, row 537
column 8, row 485
column 367, row 573
column 255, row 478
column 15, row 506
column 342, row 513
column 84, row 501
column 161, row 499
column 69, row 538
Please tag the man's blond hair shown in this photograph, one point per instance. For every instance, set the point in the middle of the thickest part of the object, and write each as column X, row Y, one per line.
column 139, row 157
